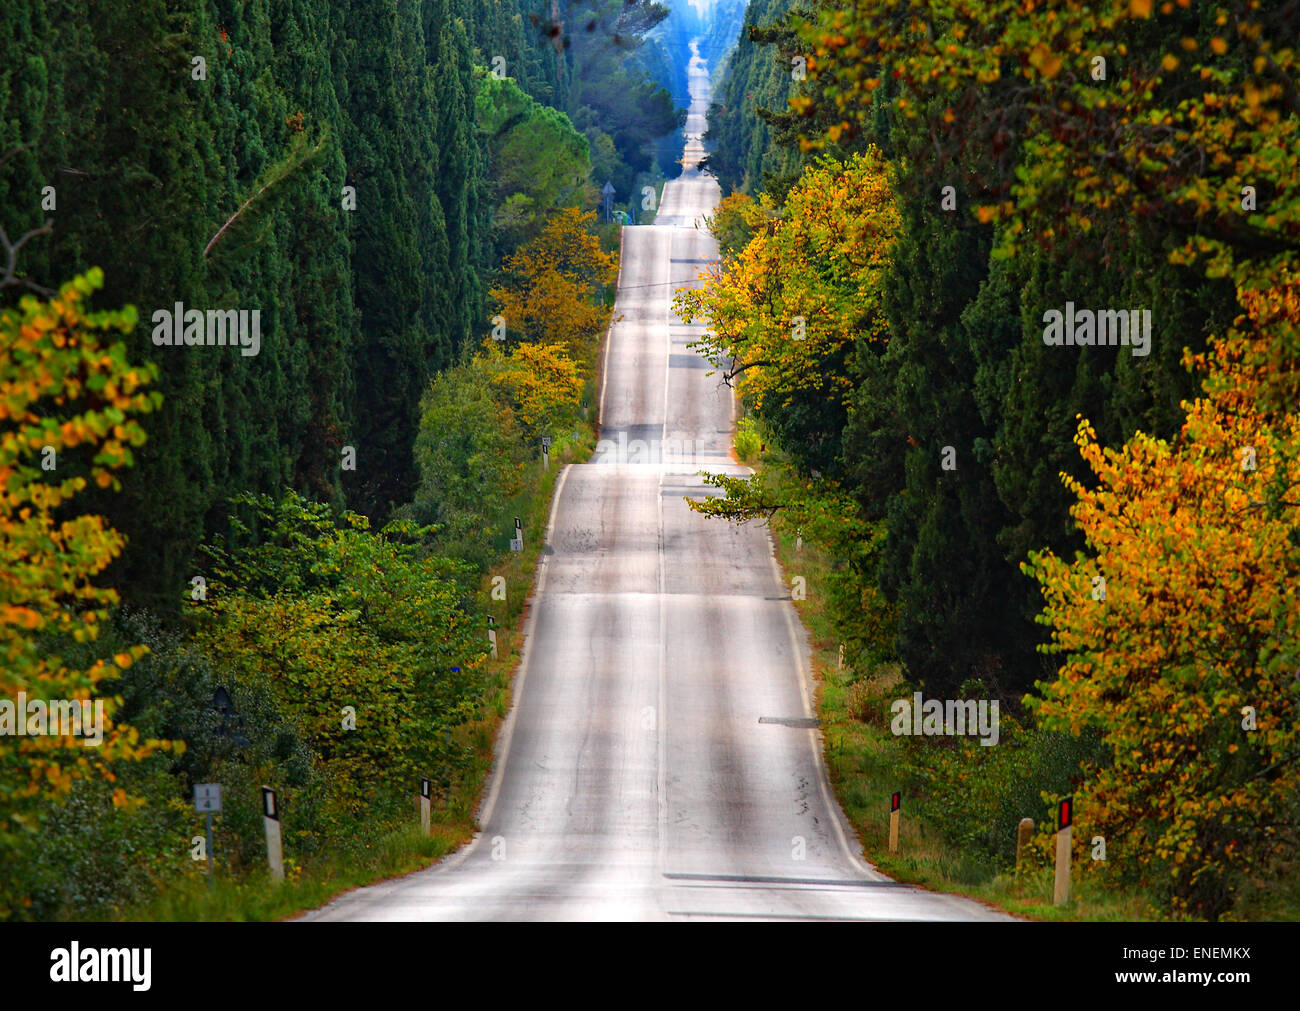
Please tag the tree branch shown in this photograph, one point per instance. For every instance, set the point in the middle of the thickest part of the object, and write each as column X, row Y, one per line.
column 11, row 250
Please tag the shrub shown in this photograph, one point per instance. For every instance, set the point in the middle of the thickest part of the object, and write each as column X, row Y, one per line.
column 322, row 617
column 747, row 440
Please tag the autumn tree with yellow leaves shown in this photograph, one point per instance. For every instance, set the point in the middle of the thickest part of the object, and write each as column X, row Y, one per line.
column 547, row 298
column 787, row 309
column 1095, row 114
column 540, row 382
column 69, row 401
column 1179, row 631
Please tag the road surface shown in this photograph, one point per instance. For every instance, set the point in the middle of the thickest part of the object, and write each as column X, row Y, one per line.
column 634, row 779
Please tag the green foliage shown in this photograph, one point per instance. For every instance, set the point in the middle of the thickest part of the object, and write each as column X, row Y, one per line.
column 471, row 455
column 230, row 192
column 954, row 359
column 347, row 169
column 1027, row 178
column 976, row 796
column 747, row 440
column 323, row 617
column 537, row 162
column 628, row 118
column 754, row 133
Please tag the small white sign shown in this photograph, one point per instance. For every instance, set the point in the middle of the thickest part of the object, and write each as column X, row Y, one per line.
column 546, row 443
column 207, row 797
column 516, row 544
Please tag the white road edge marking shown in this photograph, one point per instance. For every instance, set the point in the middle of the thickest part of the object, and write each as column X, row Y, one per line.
column 661, row 717
column 668, row 350
column 814, row 736
column 508, row 731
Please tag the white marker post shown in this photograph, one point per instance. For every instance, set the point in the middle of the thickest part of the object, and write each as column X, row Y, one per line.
column 426, row 799
column 1064, row 823
column 207, row 800
column 895, row 802
column 546, row 452
column 519, row 534
column 492, row 636
column 271, row 822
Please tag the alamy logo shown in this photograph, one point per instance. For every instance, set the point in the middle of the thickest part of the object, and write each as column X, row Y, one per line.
column 216, row 327
column 639, row 451
column 76, row 964
column 56, row 718
column 1130, row 328
column 936, row 718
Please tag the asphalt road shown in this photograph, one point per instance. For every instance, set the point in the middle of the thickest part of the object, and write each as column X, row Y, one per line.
column 634, row 779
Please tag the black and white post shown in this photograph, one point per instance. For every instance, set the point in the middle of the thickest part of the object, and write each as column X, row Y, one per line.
column 546, row 452
column 895, row 802
column 1064, row 824
column 271, row 822
column 426, row 801
column 492, row 637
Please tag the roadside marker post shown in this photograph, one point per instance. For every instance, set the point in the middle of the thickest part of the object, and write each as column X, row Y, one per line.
column 271, row 822
column 1024, row 832
column 492, row 636
column 207, row 801
column 895, row 802
column 1064, row 826
column 426, row 799
column 546, row 452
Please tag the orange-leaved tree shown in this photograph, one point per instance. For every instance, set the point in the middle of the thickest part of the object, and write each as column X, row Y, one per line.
column 68, row 403
column 1180, row 631
column 551, row 280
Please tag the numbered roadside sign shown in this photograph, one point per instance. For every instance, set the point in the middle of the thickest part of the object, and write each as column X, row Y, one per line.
column 207, row 797
column 516, row 544
column 546, row 443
